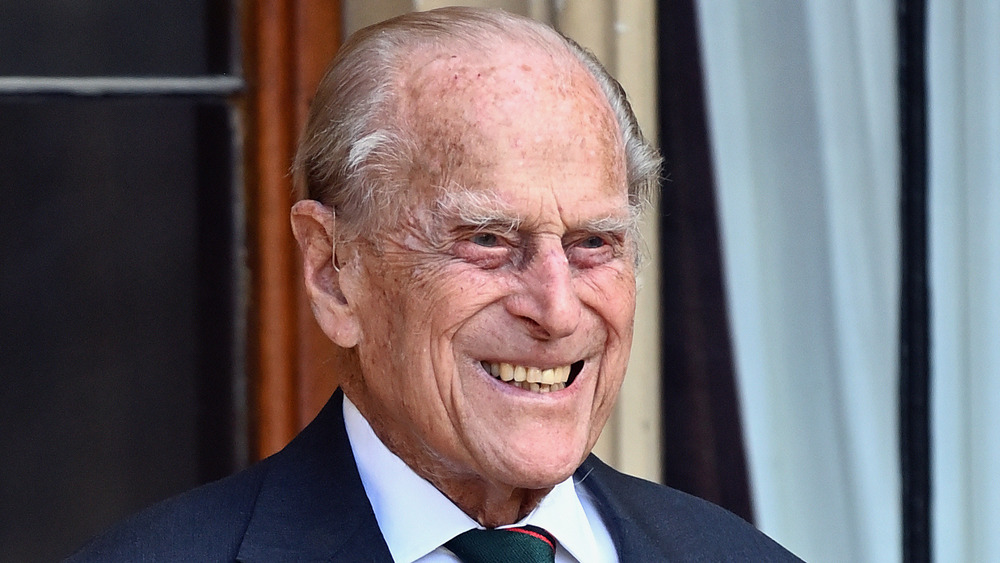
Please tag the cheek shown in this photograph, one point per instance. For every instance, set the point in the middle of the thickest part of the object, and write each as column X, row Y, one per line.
column 451, row 296
column 610, row 293
column 416, row 308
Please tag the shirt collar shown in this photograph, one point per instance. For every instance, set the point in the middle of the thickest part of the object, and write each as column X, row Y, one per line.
column 402, row 501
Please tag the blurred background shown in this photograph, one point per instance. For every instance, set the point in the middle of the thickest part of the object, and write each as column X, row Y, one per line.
column 816, row 340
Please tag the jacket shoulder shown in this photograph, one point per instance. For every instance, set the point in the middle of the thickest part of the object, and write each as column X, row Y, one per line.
column 649, row 521
column 203, row 524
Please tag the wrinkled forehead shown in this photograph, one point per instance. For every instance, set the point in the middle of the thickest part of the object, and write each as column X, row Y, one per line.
column 453, row 73
column 471, row 109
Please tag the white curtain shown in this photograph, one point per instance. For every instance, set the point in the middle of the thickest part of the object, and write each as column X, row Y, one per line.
column 964, row 119
column 803, row 120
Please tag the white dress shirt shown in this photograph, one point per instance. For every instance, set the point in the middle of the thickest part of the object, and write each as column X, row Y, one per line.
column 416, row 519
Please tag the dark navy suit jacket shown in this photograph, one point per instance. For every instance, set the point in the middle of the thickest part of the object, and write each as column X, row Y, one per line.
column 307, row 503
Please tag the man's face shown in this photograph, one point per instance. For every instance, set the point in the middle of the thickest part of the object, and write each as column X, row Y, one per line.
column 512, row 259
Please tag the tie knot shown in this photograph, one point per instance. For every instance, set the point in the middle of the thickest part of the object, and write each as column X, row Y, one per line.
column 523, row 544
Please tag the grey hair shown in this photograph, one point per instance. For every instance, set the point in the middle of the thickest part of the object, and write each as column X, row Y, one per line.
column 356, row 148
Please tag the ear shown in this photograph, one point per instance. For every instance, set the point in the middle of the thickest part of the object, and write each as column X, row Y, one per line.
column 314, row 226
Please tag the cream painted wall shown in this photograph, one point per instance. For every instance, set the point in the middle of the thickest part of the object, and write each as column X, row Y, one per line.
column 622, row 33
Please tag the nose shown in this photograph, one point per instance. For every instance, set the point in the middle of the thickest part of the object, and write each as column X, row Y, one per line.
column 546, row 301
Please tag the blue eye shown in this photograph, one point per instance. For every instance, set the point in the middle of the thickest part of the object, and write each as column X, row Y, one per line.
column 488, row 240
column 593, row 242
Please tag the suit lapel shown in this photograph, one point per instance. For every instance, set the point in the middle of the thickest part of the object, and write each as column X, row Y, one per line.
column 631, row 541
column 312, row 505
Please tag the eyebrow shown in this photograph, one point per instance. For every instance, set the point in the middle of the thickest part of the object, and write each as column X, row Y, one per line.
column 610, row 224
column 485, row 210
column 480, row 210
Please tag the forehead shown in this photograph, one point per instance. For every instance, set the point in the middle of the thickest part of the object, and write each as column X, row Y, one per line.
column 518, row 116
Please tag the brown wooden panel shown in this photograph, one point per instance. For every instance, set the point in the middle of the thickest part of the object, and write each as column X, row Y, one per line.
column 318, row 25
column 287, row 44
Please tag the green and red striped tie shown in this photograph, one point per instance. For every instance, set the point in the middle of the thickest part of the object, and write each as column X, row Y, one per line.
column 524, row 544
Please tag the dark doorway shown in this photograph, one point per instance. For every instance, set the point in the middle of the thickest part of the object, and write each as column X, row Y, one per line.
column 120, row 293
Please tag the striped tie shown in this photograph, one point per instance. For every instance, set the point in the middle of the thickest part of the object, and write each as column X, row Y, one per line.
column 524, row 544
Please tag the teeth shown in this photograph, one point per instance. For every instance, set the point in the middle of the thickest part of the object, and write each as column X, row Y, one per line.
column 506, row 371
column 519, row 373
column 530, row 378
column 534, row 375
column 538, row 387
column 548, row 376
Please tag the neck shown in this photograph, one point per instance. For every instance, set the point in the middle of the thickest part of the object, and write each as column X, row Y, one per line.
column 490, row 505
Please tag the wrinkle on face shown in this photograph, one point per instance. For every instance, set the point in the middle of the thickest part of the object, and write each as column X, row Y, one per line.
column 521, row 144
column 482, row 105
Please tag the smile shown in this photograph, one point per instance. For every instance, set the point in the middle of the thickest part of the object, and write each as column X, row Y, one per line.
column 534, row 379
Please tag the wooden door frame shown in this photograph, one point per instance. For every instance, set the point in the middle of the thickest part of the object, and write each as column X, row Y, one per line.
column 287, row 45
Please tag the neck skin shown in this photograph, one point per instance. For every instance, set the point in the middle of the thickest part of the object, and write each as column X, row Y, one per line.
column 490, row 505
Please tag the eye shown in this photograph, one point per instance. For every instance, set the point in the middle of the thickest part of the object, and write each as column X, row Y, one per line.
column 593, row 242
column 485, row 249
column 487, row 240
column 590, row 250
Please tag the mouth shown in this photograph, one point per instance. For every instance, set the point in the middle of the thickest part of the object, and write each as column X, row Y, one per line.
column 534, row 379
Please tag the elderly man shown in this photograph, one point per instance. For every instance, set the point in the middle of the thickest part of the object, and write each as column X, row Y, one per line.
column 474, row 182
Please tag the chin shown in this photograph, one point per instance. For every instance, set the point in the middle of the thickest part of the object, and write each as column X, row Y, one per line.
column 540, row 467
column 546, row 480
